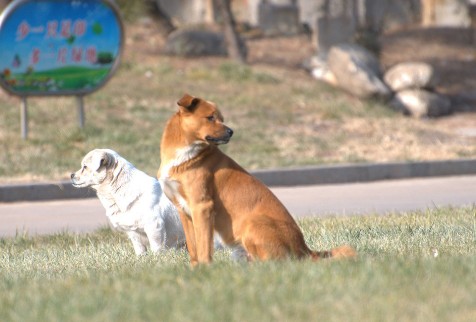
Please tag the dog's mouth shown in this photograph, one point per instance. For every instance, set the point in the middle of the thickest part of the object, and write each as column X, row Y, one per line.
column 76, row 182
column 222, row 140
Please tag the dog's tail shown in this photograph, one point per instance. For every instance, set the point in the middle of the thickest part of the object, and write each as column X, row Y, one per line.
column 344, row 251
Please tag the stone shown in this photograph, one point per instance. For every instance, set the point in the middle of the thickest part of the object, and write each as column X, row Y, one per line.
column 357, row 71
column 387, row 15
column 188, row 12
column 278, row 19
column 192, row 43
column 318, row 68
column 331, row 22
column 410, row 75
column 421, row 103
column 446, row 13
column 332, row 31
column 253, row 9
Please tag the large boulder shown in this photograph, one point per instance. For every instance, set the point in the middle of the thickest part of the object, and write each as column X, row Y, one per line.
column 318, row 68
column 357, row 71
column 192, row 43
column 410, row 75
column 421, row 103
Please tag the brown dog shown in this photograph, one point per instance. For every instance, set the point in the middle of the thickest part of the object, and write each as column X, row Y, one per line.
column 212, row 192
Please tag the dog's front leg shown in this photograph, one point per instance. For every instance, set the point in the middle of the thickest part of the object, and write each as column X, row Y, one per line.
column 203, row 224
column 155, row 232
column 189, row 237
column 136, row 240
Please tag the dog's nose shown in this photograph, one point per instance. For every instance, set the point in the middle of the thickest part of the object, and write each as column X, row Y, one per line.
column 72, row 175
column 229, row 131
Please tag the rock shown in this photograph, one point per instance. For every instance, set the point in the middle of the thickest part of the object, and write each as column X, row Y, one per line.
column 357, row 71
column 190, row 43
column 279, row 19
column 421, row 103
column 410, row 75
column 318, row 68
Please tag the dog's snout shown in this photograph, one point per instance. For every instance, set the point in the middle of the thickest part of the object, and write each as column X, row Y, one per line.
column 229, row 132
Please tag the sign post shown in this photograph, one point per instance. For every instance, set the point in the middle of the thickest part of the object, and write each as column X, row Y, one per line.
column 58, row 48
column 80, row 108
column 24, row 117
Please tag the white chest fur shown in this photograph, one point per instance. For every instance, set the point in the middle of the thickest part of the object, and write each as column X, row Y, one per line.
column 172, row 187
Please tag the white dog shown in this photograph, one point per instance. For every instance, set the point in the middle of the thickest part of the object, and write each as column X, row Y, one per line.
column 134, row 201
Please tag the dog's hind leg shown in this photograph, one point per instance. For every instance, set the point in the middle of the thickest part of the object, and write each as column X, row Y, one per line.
column 268, row 239
column 136, row 239
column 260, row 245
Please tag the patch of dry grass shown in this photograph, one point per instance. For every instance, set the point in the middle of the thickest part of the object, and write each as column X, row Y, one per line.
column 281, row 116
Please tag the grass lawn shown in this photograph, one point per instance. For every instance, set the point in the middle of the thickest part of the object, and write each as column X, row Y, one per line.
column 417, row 266
column 97, row 277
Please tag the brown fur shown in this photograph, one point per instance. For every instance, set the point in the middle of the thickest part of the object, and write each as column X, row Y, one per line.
column 212, row 192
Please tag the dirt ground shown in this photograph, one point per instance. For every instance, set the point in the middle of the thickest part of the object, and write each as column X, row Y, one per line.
column 451, row 51
column 350, row 137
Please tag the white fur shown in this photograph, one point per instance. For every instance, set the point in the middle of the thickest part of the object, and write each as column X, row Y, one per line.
column 133, row 200
column 188, row 153
column 182, row 155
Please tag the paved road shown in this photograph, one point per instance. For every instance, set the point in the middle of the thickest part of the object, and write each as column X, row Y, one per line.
column 381, row 197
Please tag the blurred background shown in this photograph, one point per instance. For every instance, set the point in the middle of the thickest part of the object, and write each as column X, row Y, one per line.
column 303, row 82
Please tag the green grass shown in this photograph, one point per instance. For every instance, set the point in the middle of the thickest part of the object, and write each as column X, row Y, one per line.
column 64, row 78
column 96, row 277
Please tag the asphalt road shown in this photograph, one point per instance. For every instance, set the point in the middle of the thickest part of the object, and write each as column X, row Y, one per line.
column 379, row 197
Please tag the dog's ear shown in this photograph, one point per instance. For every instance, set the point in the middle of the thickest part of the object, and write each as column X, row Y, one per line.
column 107, row 160
column 188, row 102
column 102, row 159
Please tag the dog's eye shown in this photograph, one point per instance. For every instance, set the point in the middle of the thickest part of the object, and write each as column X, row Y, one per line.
column 211, row 118
column 84, row 167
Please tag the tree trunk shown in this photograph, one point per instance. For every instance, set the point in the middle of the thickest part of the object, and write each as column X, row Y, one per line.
column 236, row 48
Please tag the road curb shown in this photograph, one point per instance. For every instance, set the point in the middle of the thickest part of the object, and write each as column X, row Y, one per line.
column 349, row 173
column 327, row 174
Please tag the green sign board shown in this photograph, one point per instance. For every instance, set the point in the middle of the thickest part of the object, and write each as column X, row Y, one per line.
column 58, row 47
